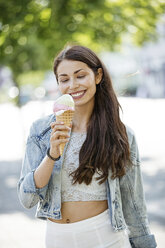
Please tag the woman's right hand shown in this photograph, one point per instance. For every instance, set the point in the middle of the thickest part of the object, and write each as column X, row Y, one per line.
column 58, row 130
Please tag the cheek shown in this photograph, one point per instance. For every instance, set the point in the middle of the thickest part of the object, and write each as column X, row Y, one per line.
column 91, row 91
column 92, row 85
column 62, row 88
column 90, row 82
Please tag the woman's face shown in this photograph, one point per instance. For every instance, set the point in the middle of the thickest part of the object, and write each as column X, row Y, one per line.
column 78, row 80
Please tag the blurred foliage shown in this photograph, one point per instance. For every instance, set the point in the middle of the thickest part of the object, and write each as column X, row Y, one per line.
column 32, row 32
column 31, row 77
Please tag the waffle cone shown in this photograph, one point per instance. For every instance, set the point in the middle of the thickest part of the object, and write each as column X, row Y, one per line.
column 66, row 117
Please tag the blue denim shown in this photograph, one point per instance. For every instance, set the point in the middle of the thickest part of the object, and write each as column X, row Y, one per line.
column 126, row 200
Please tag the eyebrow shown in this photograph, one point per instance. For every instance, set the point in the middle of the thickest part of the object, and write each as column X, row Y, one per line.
column 74, row 73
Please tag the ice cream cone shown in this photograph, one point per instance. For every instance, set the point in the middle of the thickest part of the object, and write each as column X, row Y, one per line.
column 64, row 111
column 66, row 117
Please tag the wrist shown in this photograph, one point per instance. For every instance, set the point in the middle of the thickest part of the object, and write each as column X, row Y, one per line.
column 51, row 157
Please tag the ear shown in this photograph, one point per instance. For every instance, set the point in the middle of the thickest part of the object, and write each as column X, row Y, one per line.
column 99, row 75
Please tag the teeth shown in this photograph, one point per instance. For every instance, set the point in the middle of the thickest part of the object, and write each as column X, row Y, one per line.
column 78, row 94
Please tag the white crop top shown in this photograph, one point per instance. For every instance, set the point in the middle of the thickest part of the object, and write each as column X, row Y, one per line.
column 78, row 192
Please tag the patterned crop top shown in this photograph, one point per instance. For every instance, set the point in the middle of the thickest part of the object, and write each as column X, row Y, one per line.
column 78, row 192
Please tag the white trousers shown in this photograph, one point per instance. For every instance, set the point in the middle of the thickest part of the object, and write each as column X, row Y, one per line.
column 95, row 232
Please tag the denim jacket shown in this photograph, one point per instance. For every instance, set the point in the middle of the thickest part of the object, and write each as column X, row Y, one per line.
column 126, row 199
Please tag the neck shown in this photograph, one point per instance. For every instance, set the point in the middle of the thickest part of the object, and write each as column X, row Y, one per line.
column 81, row 118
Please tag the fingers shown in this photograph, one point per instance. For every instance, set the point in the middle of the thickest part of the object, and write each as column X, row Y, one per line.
column 59, row 130
column 60, row 141
column 59, row 135
column 52, row 124
column 59, row 126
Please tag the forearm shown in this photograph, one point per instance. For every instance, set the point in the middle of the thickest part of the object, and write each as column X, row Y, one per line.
column 43, row 172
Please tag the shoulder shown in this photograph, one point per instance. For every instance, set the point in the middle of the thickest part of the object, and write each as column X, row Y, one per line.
column 133, row 145
column 130, row 134
column 41, row 125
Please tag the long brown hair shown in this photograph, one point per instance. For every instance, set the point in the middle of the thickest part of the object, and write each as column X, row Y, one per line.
column 106, row 145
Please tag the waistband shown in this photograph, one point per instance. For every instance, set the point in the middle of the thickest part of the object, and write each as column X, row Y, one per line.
column 87, row 223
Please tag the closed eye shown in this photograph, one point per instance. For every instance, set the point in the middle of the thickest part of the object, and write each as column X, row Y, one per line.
column 81, row 76
column 63, row 81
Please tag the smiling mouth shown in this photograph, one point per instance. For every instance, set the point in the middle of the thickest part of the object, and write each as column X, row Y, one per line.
column 78, row 94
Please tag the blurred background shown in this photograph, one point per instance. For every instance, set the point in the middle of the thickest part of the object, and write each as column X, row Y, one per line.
column 129, row 36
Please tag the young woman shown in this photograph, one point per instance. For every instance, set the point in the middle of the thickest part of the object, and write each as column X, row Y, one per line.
column 92, row 196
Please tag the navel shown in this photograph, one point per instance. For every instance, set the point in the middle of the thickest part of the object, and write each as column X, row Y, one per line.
column 67, row 220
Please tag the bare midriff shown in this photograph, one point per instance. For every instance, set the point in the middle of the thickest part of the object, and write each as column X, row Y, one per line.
column 80, row 210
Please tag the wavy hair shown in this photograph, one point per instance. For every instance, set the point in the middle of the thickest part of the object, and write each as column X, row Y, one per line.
column 106, row 146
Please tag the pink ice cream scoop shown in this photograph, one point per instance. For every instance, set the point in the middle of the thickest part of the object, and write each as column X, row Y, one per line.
column 62, row 104
column 61, row 108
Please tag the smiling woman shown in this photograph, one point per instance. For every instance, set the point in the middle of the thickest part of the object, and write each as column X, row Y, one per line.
column 92, row 196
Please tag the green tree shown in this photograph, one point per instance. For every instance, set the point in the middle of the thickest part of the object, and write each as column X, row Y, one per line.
column 32, row 32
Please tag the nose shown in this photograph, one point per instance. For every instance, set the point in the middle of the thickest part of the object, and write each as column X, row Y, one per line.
column 73, row 84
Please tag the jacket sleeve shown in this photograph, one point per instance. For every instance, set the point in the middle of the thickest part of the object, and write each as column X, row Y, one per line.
column 28, row 194
column 133, row 202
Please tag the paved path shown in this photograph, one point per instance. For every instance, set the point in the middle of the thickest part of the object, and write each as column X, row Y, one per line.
column 19, row 228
